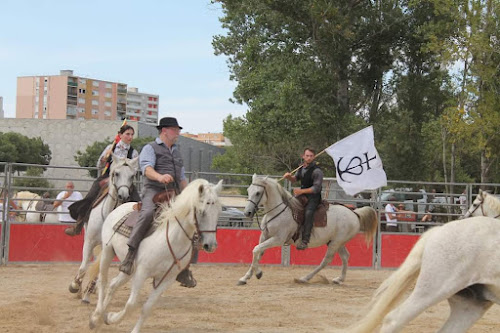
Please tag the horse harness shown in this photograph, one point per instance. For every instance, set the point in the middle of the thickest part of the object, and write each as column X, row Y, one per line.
column 177, row 261
column 256, row 205
column 482, row 209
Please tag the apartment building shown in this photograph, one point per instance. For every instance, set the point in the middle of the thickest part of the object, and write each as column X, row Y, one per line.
column 67, row 96
column 142, row 107
column 214, row 139
column 1, row 107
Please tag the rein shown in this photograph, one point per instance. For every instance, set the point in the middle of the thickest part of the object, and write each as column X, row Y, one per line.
column 469, row 212
column 256, row 206
column 177, row 261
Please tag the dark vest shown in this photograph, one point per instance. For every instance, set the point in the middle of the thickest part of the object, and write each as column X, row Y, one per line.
column 307, row 180
column 167, row 162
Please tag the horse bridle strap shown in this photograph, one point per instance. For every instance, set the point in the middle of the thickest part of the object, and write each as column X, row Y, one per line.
column 177, row 261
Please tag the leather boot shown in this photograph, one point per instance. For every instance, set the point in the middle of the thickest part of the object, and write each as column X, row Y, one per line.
column 128, row 262
column 302, row 246
column 76, row 230
column 186, row 278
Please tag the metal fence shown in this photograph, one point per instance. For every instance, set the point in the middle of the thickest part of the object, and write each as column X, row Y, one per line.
column 421, row 205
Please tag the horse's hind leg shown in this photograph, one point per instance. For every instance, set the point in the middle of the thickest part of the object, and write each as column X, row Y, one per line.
column 344, row 256
column 464, row 312
column 88, row 246
column 106, row 257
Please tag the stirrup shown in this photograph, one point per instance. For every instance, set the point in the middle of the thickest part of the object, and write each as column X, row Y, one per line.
column 186, row 279
column 302, row 246
column 71, row 231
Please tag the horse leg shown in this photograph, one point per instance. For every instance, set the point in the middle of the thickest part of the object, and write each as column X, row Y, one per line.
column 344, row 256
column 88, row 245
column 139, row 278
column 148, row 305
column 258, row 251
column 464, row 312
column 92, row 272
column 330, row 252
column 106, row 257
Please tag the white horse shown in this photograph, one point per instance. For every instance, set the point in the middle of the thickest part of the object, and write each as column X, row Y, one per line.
column 121, row 176
column 27, row 201
column 163, row 254
column 458, row 262
column 278, row 226
column 485, row 204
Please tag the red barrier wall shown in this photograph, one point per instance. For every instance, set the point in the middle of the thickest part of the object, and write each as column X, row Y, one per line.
column 395, row 248
column 361, row 254
column 43, row 243
column 236, row 246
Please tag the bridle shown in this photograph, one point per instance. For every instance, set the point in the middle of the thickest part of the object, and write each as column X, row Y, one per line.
column 481, row 200
column 256, row 207
column 177, row 260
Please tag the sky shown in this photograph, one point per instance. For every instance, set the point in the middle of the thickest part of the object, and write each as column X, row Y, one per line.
column 160, row 47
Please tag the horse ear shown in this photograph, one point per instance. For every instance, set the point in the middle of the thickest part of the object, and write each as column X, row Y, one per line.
column 201, row 188
column 254, row 176
column 134, row 162
column 218, row 187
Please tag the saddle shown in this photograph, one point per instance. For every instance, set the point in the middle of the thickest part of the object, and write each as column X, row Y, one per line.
column 126, row 223
column 319, row 214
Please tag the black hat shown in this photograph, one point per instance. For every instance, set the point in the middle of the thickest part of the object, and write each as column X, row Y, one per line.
column 168, row 122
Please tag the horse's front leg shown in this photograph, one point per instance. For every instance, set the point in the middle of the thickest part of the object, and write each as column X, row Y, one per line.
column 88, row 245
column 153, row 297
column 344, row 256
column 258, row 251
column 106, row 257
column 138, row 282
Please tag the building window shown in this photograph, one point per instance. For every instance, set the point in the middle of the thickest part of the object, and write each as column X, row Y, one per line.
column 81, row 91
column 109, row 85
column 95, row 83
column 95, row 102
column 94, row 112
column 107, row 104
column 95, row 93
column 107, row 113
column 82, row 81
column 108, row 95
column 81, row 100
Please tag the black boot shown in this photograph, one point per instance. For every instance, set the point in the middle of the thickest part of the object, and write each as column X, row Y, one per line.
column 186, row 278
column 302, row 245
column 76, row 230
column 128, row 262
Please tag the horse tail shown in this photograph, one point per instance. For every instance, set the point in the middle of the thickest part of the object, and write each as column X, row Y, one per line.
column 393, row 288
column 368, row 222
column 94, row 268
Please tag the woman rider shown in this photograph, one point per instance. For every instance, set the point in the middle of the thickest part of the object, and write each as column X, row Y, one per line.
column 80, row 210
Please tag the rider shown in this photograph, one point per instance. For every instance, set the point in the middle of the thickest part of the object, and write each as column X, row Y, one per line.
column 162, row 165
column 311, row 179
column 80, row 210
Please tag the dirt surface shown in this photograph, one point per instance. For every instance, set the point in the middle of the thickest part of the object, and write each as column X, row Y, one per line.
column 35, row 298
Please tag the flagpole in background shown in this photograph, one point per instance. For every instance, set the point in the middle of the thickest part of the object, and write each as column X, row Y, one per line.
column 115, row 142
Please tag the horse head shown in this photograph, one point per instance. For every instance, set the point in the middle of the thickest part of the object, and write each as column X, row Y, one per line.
column 484, row 204
column 121, row 176
column 207, row 214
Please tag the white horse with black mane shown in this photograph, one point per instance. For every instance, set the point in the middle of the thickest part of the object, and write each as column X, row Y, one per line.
column 121, row 177
column 163, row 254
column 278, row 226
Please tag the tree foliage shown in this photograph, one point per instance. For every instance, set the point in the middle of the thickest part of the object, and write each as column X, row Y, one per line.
column 17, row 148
column 314, row 71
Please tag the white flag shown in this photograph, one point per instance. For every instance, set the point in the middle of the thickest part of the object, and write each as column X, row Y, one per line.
column 358, row 164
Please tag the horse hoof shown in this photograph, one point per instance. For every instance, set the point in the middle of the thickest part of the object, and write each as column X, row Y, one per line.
column 241, row 283
column 72, row 289
column 337, row 281
column 299, row 281
column 105, row 317
column 258, row 275
column 85, row 301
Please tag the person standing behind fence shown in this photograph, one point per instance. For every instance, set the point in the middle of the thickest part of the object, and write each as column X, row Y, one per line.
column 391, row 216
column 64, row 199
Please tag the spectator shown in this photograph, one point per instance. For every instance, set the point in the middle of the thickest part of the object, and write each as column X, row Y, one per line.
column 391, row 216
column 64, row 200
column 430, row 207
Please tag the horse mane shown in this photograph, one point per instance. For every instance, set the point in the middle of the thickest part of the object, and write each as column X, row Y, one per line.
column 287, row 198
column 491, row 201
column 182, row 205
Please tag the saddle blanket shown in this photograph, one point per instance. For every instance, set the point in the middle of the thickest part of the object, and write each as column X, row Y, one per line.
column 126, row 223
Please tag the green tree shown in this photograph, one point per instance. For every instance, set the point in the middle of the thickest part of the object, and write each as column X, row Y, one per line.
column 17, row 148
column 34, row 179
column 89, row 157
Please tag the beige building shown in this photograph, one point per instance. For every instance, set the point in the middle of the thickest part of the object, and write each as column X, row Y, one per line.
column 67, row 96
column 214, row 139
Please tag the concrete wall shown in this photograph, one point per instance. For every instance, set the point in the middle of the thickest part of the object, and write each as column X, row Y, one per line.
column 66, row 137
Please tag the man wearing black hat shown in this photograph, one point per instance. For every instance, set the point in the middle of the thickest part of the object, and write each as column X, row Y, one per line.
column 161, row 164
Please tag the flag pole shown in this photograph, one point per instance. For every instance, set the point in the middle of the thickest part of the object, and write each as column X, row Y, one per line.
column 300, row 166
column 115, row 142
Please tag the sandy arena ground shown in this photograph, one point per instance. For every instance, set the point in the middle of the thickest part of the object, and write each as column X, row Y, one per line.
column 35, row 298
